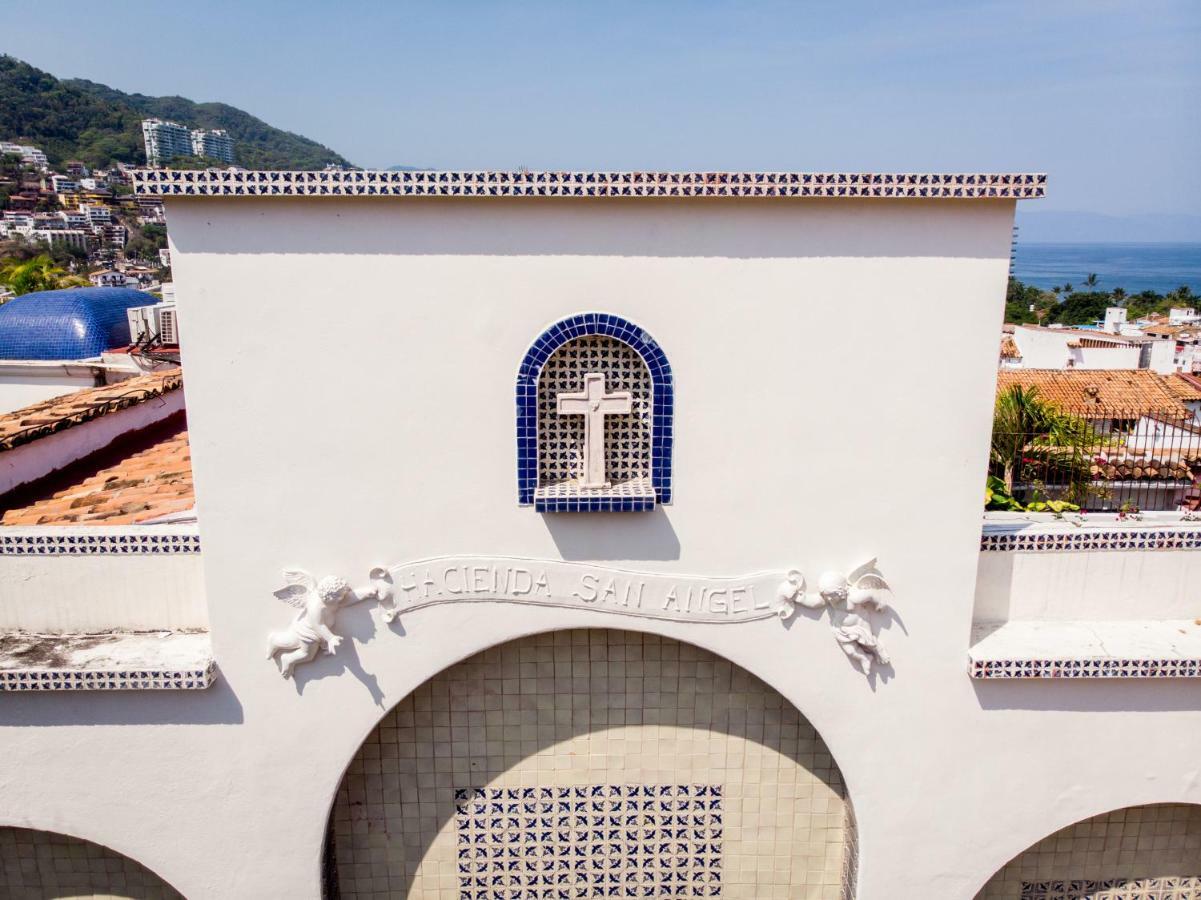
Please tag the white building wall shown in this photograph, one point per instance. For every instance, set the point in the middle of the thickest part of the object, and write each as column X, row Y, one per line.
column 786, row 455
column 25, row 383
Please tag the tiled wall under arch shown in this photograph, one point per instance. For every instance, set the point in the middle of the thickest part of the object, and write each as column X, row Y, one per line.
column 590, row 762
column 1137, row 852
column 38, row 865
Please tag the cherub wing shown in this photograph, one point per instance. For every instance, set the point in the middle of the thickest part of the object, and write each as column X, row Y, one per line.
column 300, row 584
column 867, row 576
column 871, row 582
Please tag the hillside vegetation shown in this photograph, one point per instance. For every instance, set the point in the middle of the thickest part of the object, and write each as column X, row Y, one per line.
column 77, row 119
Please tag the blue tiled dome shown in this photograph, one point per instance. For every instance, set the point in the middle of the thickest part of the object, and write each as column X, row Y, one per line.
column 75, row 323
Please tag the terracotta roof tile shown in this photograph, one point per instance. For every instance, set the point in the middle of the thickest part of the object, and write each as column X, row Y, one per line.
column 32, row 422
column 1009, row 348
column 1109, row 393
column 154, row 482
column 1185, row 387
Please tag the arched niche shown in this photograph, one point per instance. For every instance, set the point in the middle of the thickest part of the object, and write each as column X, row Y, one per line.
column 1137, row 851
column 569, row 756
column 637, row 439
column 43, row 865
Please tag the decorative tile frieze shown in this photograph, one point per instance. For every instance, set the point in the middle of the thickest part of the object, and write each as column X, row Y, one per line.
column 233, row 183
column 1170, row 888
column 633, row 840
column 1085, row 668
column 1088, row 539
column 99, row 541
column 191, row 679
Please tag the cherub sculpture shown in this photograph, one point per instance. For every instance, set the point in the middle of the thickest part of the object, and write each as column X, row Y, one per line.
column 855, row 637
column 318, row 603
column 852, row 599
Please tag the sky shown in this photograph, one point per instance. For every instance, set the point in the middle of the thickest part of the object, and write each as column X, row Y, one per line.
column 1103, row 95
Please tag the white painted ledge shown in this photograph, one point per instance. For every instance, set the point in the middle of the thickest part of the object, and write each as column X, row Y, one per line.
column 1043, row 649
column 112, row 661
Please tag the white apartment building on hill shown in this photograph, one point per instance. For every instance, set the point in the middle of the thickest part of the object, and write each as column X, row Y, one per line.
column 29, row 154
column 214, row 144
column 167, row 140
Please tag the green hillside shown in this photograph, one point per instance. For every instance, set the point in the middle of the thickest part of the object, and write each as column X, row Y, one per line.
column 77, row 119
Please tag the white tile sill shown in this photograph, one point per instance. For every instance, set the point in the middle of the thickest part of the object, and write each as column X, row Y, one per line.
column 110, row 661
column 1129, row 649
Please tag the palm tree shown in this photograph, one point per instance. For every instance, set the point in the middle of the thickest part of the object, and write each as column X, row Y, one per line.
column 1028, row 429
column 1118, row 294
column 1058, row 289
column 1091, row 281
column 1067, row 288
column 38, row 274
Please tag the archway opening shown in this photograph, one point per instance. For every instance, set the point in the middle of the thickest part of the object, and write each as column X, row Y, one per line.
column 1137, row 851
column 43, row 865
column 592, row 763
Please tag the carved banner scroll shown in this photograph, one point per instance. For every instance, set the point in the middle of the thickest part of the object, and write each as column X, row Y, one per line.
column 851, row 599
column 581, row 586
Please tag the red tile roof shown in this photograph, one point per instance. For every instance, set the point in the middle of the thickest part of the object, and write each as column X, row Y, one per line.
column 154, row 481
column 32, row 422
column 1109, row 393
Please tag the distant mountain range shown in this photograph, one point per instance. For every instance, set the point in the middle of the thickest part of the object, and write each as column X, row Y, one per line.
column 78, row 119
column 1052, row 227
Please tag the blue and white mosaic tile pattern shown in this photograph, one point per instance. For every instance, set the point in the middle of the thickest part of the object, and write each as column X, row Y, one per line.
column 99, row 542
column 74, row 323
column 662, row 404
column 589, row 841
column 1172, row 888
column 635, row 495
column 1085, row 668
column 213, row 182
column 196, row 679
column 1078, row 541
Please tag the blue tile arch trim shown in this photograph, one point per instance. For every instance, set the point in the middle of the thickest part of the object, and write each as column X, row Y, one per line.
column 662, row 399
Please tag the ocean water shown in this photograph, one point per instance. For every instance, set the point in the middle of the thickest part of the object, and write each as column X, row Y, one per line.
column 1134, row 267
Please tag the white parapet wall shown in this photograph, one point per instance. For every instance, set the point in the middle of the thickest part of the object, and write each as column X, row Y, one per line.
column 1103, row 570
column 82, row 579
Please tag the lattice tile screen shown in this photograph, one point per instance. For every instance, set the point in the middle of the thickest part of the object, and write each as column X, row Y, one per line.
column 589, row 841
column 627, row 437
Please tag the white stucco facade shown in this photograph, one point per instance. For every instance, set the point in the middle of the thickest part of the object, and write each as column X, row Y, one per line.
column 361, row 413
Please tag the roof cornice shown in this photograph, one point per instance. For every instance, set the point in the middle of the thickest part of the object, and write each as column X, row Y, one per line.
column 356, row 182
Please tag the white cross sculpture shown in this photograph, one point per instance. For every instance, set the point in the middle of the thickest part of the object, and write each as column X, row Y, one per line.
column 594, row 404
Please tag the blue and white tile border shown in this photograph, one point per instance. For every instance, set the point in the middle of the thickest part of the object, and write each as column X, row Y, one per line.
column 662, row 401
column 1107, row 667
column 96, row 541
column 190, row 679
column 1173, row 887
column 1187, row 537
column 232, row 183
